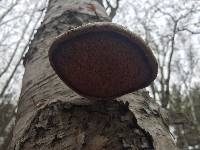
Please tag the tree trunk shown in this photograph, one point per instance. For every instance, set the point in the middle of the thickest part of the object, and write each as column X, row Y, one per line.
column 52, row 116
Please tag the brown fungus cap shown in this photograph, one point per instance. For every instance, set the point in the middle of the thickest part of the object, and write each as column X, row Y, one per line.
column 102, row 60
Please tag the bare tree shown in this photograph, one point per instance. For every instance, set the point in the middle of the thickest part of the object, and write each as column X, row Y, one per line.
column 163, row 26
column 22, row 53
column 18, row 43
column 12, row 44
column 13, row 22
column 172, row 30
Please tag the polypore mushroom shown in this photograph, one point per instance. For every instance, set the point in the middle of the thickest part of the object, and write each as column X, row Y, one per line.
column 102, row 60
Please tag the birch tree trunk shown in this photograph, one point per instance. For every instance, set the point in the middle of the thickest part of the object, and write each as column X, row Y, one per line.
column 51, row 116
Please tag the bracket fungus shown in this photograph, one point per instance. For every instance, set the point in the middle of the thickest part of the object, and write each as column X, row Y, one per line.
column 102, row 60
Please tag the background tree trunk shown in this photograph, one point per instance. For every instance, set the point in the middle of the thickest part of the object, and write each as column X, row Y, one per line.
column 52, row 116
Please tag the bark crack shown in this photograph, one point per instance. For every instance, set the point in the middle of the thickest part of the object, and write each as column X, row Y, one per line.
column 59, row 122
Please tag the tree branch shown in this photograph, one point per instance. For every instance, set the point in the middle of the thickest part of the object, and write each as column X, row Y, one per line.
column 19, row 42
column 21, row 57
column 8, row 10
column 113, row 10
column 188, row 30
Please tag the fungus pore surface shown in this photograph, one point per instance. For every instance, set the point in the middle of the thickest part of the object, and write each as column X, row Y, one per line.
column 102, row 61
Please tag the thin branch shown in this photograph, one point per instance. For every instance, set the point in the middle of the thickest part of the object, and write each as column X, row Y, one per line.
column 21, row 57
column 8, row 10
column 19, row 42
column 188, row 30
column 9, row 20
column 113, row 10
column 167, row 14
column 169, row 64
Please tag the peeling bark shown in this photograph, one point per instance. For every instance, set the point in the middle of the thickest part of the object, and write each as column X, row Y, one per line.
column 52, row 116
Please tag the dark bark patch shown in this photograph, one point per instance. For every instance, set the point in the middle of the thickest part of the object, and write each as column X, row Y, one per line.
column 94, row 127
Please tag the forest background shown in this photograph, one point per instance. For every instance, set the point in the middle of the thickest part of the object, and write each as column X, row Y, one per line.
column 170, row 27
